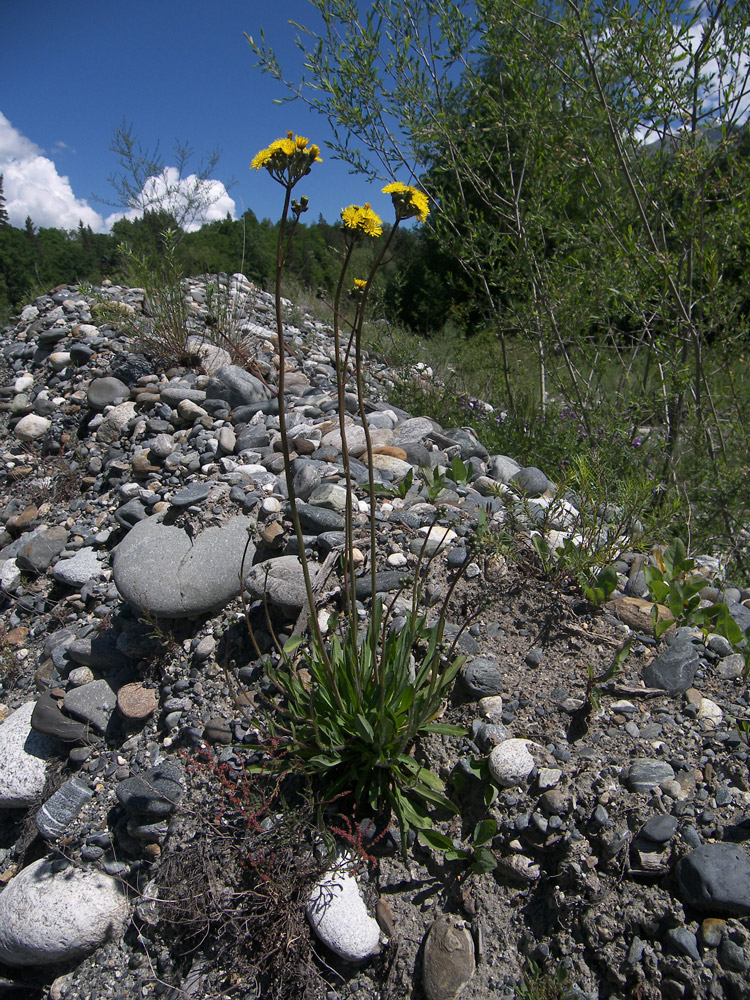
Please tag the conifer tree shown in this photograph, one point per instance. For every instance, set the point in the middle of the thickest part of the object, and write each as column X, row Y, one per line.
column 4, row 220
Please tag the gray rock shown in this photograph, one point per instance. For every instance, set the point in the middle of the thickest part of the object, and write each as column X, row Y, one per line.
column 305, row 478
column 59, row 811
column 733, row 956
column 316, row 520
column 715, row 878
column 93, row 703
column 502, row 469
column 175, row 393
column 414, row 429
column 155, row 793
column 531, row 481
column 281, row 581
column 385, row 581
column 449, row 961
column 684, row 941
column 23, row 759
column 471, row 446
column 481, row 677
column 79, row 569
column 236, row 387
column 195, row 493
column 106, row 392
column 660, row 829
column 161, row 570
column 40, row 547
column 673, row 670
column 49, row 720
column 48, row 915
column 645, row 773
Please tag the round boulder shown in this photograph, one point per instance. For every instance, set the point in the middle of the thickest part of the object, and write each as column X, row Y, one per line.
column 162, row 570
column 50, row 914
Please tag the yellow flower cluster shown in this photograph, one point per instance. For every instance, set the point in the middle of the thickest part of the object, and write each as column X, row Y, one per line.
column 359, row 284
column 362, row 219
column 408, row 202
column 287, row 160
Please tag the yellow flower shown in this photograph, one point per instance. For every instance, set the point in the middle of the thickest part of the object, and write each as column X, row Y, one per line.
column 408, row 202
column 362, row 219
column 360, row 283
column 287, row 160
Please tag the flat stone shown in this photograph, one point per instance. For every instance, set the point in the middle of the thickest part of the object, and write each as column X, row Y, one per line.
column 644, row 774
column 660, row 828
column 48, row 719
column 40, row 547
column 449, row 961
column 330, row 497
column 49, row 915
column 673, row 670
column 414, row 429
column 715, row 878
column 218, row 731
column 93, row 703
column 339, row 917
column 502, row 468
column 107, row 391
column 236, row 387
column 59, row 811
column 79, row 569
column 23, row 759
column 163, row 571
column 434, row 539
column 316, row 520
column 155, row 793
column 280, row 581
column 136, row 703
column 385, row 581
column 195, row 493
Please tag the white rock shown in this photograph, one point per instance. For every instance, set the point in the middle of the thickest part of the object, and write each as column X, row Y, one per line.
column 79, row 569
column 710, row 711
column 31, row 427
column 59, row 360
column 435, row 540
column 22, row 383
column 339, row 917
column 23, row 759
column 10, row 575
column 511, row 763
column 49, row 916
column 397, row 560
column 491, row 707
column 114, row 422
column 29, row 314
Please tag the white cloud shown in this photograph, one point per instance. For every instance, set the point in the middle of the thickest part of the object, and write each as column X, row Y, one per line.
column 33, row 187
column 173, row 193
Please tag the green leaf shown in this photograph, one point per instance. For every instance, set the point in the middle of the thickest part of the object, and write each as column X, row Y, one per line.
column 363, row 728
column 437, row 841
column 484, row 861
column 484, row 832
column 292, row 643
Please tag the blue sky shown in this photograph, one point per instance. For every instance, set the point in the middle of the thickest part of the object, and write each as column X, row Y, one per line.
column 175, row 69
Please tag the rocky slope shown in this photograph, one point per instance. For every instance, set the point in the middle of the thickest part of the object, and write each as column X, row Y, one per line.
column 138, row 859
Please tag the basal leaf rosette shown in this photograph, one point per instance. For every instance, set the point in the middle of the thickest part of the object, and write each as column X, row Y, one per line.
column 287, row 160
column 408, row 202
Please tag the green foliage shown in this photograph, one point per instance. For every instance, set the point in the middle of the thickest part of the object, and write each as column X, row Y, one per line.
column 670, row 584
column 478, row 858
column 351, row 722
column 164, row 332
column 541, row 984
column 602, row 588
